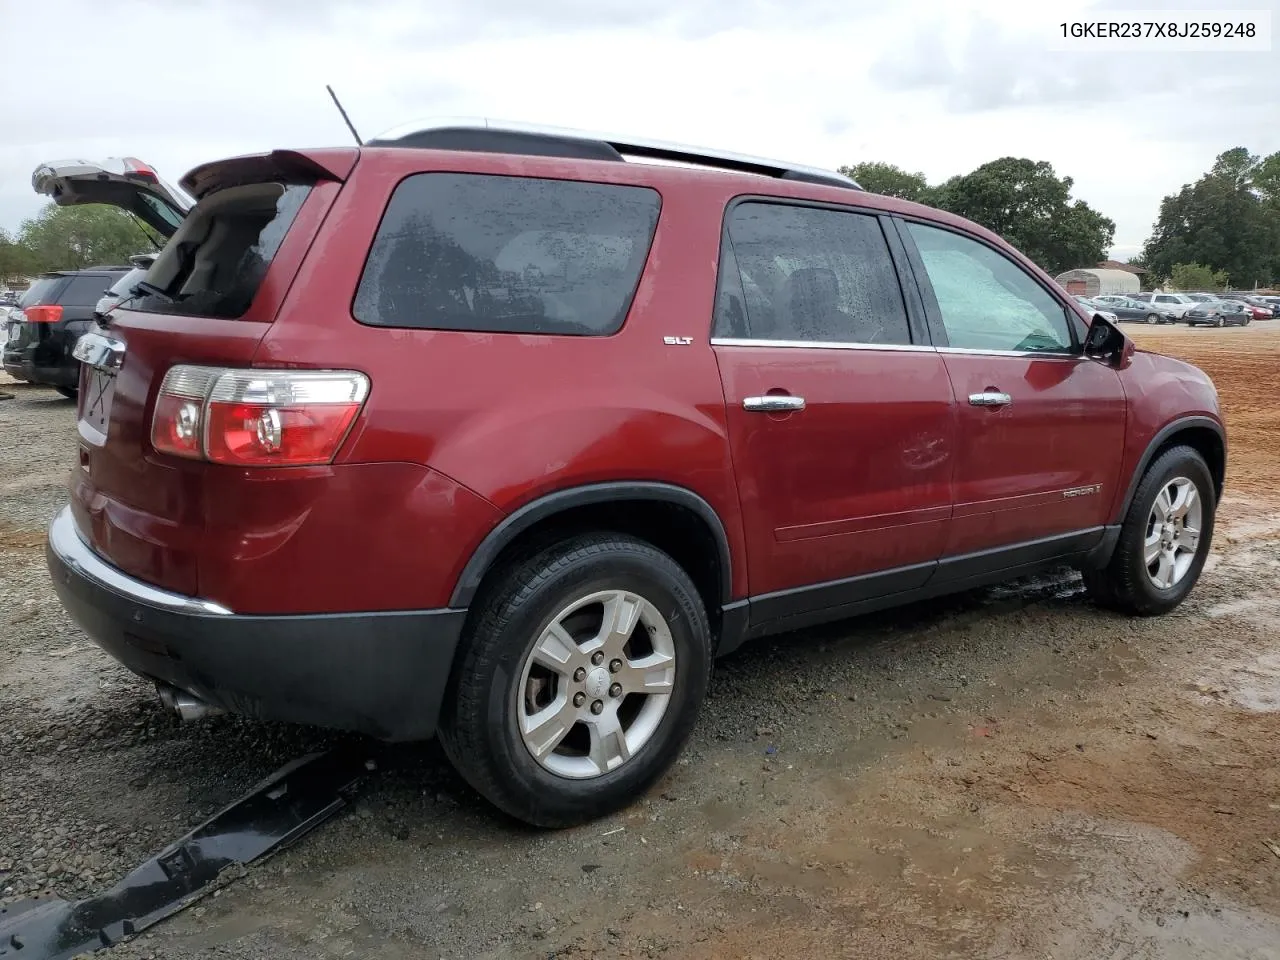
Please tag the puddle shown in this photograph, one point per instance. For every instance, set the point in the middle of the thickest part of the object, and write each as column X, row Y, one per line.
column 1252, row 685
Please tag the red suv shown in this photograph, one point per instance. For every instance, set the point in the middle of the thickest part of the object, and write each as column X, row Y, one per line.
column 494, row 433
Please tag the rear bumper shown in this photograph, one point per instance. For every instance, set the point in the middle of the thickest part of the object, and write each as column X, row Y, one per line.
column 382, row 674
column 21, row 364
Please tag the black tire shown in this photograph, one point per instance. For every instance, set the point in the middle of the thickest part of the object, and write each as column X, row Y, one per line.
column 1152, row 318
column 1124, row 584
column 69, row 392
column 478, row 727
column 1222, row 321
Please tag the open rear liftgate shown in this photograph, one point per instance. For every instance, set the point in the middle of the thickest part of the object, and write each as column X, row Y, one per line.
column 297, row 797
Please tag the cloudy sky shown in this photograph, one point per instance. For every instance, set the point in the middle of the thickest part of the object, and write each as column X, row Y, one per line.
column 938, row 86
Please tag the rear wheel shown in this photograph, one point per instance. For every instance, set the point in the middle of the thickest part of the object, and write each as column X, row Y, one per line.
column 580, row 682
column 69, row 392
column 1222, row 321
column 1164, row 539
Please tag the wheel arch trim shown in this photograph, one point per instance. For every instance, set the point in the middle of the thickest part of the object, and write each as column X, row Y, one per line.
column 1159, row 440
column 561, row 501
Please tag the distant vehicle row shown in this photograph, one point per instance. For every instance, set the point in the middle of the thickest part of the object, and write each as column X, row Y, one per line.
column 47, row 320
column 1212, row 309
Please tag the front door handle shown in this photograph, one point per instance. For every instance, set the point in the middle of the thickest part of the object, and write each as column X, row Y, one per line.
column 990, row 398
column 773, row 403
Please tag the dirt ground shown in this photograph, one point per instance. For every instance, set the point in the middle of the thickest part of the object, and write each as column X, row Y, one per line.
column 1007, row 774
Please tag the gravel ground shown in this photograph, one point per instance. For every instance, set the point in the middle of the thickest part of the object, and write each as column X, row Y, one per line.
column 1005, row 774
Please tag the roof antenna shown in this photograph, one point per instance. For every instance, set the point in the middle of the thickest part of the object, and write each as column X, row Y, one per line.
column 347, row 120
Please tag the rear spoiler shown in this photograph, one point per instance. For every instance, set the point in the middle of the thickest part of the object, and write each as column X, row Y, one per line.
column 290, row 166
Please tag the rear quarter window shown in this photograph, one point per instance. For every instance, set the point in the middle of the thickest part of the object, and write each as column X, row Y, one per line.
column 507, row 255
column 85, row 291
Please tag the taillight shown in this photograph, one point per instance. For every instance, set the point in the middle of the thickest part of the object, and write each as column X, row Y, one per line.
column 135, row 169
column 49, row 314
column 258, row 418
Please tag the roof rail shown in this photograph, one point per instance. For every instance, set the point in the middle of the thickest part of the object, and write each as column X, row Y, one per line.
column 479, row 134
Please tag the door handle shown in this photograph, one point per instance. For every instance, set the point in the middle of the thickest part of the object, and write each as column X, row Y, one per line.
column 773, row 403
column 990, row 398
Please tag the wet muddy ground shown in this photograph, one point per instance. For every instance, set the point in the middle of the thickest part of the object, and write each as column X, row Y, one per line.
column 1011, row 774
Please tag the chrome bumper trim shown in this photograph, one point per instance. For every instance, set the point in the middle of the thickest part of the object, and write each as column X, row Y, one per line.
column 66, row 543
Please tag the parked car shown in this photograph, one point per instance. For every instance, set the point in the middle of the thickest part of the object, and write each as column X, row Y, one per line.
column 454, row 433
column 1221, row 314
column 1205, row 297
column 1094, row 307
column 1256, row 310
column 52, row 316
column 124, row 288
column 1176, row 303
column 8, row 305
column 1125, row 308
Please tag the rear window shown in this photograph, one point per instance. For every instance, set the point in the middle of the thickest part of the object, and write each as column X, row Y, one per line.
column 43, row 291
column 215, row 263
column 501, row 254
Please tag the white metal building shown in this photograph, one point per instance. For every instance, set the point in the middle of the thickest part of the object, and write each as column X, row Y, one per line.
column 1097, row 282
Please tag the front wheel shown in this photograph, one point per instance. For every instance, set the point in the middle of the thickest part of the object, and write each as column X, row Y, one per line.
column 1152, row 318
column 1164, row 539
column 579, row 681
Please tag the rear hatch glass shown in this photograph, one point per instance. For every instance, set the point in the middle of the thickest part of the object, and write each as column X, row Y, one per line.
column 43, row 291
column 215, row 263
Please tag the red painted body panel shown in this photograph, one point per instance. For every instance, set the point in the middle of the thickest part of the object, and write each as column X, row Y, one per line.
column 143, row 511
column 462, row 428
column 858, row 481
column 625, row 407
column 374, row 536
column 1063, row 431
column 1161, row 390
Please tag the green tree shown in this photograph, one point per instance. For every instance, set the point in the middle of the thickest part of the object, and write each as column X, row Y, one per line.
column 1228, row 220
column 90, row 235
column 15, row 259
column 1196, row 276
column 1029, row 205
column 889, row 180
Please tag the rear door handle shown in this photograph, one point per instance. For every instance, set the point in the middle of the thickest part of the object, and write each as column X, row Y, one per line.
column 773, row 403
column 990, row 398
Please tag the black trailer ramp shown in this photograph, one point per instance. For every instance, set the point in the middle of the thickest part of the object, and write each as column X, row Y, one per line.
column 293, row 800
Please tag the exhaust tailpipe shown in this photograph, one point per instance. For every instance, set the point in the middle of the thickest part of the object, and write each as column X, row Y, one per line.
column 187, row 706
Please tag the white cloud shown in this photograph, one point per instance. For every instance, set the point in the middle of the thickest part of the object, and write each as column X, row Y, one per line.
column 933, row 85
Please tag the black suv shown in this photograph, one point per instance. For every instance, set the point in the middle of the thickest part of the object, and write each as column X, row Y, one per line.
column 55, row 311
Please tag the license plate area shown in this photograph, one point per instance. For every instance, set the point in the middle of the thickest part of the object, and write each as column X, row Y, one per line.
column 95, row 415
column 102, row 357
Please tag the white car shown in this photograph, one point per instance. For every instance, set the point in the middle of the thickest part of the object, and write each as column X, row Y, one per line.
column 123, row 288
column 1176, row 303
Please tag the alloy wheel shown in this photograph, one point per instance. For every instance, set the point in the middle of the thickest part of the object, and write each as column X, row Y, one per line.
column 596, row 684
column 1173, row 532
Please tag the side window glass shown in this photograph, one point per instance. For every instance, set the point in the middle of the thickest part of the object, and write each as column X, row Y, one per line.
column 85, row 290
column 808, row 274
column 987, row 301
column 506, row 254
